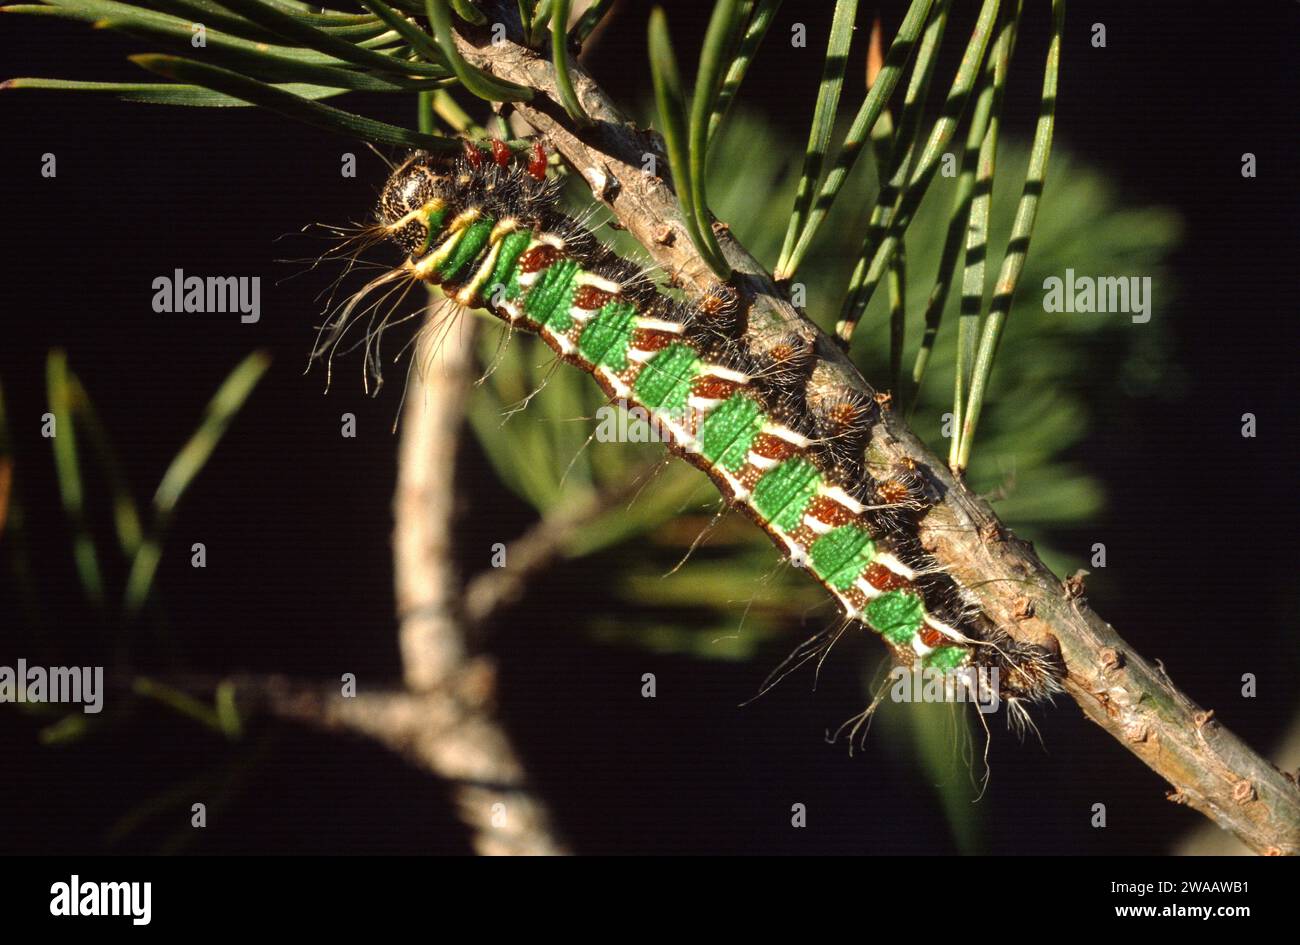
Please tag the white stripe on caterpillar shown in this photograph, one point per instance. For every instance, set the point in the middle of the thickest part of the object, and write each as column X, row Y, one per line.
column 613, row 380
column 738, row 491
column 703, row 404
column 950, row 632
column 599, row 282
column 836, row 494
column 725, row 374
column 817, row 525
column 868, row 589
column 564, row 342
column 893, row 564
column 658, row 324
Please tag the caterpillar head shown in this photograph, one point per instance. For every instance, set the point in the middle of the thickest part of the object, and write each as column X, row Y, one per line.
column 426, row 194
column 417, row 197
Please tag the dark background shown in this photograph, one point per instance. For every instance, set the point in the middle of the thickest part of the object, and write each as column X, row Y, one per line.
column 1199, row 529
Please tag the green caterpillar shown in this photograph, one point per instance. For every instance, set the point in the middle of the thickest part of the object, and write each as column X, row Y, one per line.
column 746, row 411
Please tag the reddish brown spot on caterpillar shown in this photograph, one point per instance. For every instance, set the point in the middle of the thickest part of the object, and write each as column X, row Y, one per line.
column 591, row 298
column 720, row 300
column 538, row 258
column 930, row 636
column 893, row 492
column 650, row 339
column 473, row 154
column 845, row 414
column 773, row 447
column 883, row 579
column 500, row 152
column 537, row 164
column 825, row 509
column 783, row 352
column 713, row 387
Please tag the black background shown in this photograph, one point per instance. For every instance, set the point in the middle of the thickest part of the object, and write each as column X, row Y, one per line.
column 296, row 519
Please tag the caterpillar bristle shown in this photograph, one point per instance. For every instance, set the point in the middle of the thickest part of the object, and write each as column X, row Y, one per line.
column 755, row 410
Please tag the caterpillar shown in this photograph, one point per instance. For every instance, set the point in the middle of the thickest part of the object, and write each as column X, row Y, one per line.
column 487, row 228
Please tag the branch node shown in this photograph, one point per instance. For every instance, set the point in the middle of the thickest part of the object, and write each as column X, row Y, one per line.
column 1137, row 732
column 604, row 185
column 1244, row 792
column 1111, row 660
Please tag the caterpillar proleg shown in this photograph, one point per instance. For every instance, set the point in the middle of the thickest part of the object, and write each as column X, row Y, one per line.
column 746, row 411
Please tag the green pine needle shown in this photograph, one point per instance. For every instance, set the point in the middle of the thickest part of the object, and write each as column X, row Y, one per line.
column 314, row 38
column 823, row 121
column 1022, row 229
column 672, row 119
column 67, row 468
column 468, row 12
column 589, row 20
column 418, row 39
column 287, row 104
column 188, row 462
column 560, row 58
column 977, row 224
column 164, row 93
column 476, row 81
column 719, row 38
column 900, row 52
column 959, row 220
column 910, row 198
column 764, row 13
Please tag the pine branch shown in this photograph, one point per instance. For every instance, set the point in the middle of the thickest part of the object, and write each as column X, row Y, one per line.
column 444, row 718
column 1135, row 701
column 447, row 730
